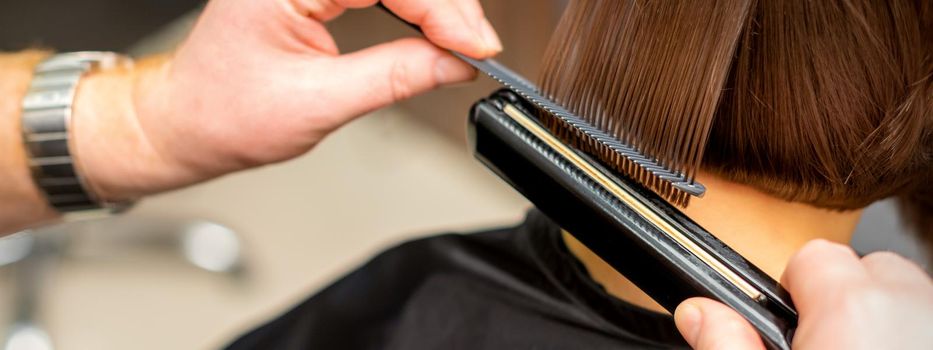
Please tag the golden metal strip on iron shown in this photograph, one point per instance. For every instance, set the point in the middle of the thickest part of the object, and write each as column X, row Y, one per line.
column 636, row 205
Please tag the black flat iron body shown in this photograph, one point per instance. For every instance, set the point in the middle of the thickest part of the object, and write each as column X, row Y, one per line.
column 650, row 242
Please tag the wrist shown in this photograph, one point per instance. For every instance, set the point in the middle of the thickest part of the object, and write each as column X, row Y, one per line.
column 112, row 150
column 21, row 202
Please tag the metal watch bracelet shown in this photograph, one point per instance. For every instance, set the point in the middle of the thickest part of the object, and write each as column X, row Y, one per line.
column 46, row 122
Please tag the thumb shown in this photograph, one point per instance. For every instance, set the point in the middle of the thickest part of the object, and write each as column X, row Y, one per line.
column 384, row 74
column 709, row 325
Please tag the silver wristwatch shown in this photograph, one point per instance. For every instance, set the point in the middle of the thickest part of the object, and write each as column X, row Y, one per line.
column 46, row 123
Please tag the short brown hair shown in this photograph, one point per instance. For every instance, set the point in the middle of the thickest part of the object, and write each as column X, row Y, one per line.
column 824, row 102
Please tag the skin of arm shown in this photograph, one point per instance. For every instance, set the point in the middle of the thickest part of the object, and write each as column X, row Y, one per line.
column 256, row 82
column 21, row 203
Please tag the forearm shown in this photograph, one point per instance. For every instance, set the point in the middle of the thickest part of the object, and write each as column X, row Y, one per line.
column 255, row 83
column 21, row 202
column 111, row 152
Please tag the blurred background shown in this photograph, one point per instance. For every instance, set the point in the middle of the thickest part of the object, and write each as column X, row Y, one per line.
column 195, row 268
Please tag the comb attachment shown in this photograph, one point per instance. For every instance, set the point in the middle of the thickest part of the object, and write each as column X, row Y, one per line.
column 649, row 73
column 674, row 186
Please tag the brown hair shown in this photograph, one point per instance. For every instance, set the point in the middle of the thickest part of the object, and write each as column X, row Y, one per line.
column 823, row 102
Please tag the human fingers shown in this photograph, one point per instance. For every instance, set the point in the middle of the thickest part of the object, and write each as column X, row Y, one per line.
column 709, row 325
column 458, row 25
column 321, row 10
column 381, row 75
column 817, row 270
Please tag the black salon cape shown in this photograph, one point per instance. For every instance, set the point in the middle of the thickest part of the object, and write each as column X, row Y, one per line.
column 515, row 288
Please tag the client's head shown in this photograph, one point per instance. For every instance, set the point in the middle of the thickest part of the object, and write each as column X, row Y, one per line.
column 821, row 102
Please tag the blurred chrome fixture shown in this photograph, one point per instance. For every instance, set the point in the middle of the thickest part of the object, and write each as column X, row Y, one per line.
column 211, row 246
column 31, row 255
column 15, row 247
column 27, row 336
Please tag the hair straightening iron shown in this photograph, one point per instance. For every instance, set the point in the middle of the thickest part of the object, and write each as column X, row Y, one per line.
column 635, row 230
column 642, row 236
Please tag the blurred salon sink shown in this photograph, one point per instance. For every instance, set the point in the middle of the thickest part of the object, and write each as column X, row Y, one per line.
column 32, row 256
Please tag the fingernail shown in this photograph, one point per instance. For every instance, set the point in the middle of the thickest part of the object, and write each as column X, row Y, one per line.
column 450, row 70
column 688, row 318
column 493, row 44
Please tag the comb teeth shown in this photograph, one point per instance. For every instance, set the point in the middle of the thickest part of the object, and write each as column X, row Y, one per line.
column 673, row 186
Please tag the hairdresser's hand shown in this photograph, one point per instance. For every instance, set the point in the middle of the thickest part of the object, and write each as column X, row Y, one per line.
column 881, row 301
column 259, row 81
